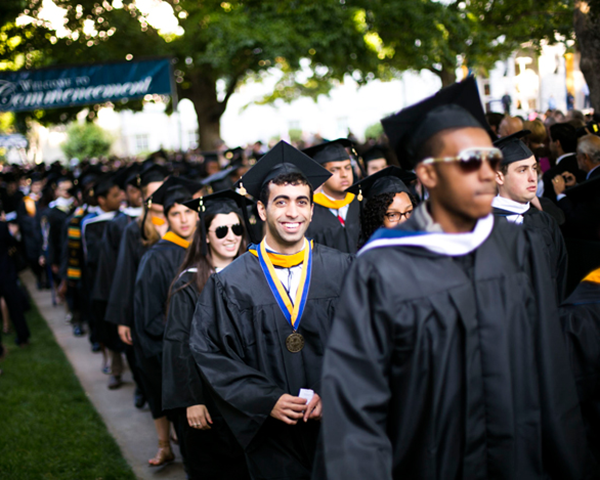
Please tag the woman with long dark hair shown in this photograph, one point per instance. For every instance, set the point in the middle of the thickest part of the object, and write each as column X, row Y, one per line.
column 387, row 200
column 208, row 447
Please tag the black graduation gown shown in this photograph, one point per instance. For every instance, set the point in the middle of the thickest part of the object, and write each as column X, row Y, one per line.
column 31, row 233
column 156, row 272
column 238, row 341
column 92, row 233
column 580, row 317
column 444, row 367
column 119, row 310
column 567, row 164
column 208, row 454
column 57, row 219
column 107, row 262
column 547, row 227
column 327, row 230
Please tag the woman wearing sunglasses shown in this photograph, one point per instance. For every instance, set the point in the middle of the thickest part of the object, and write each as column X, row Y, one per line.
column 209, row 450
column 387, row 200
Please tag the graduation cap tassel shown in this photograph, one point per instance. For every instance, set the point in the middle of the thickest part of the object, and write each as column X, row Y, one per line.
column 203, row 245
column 249, row 228
column 143, row 226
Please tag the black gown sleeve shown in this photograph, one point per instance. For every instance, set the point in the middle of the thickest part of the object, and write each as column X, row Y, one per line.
column 356, row 388
column 120, row 303
column 182, row 385
column 244, row 395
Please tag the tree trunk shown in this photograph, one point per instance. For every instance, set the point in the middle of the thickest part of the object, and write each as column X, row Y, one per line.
column 447, row 75
column 203, row 94
column 586, row 23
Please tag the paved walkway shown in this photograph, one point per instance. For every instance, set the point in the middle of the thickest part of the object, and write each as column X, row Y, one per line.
column 133, row 429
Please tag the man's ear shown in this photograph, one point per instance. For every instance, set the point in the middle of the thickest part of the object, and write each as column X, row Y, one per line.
column 262, row 211
column 499, row 178
column 427, row 175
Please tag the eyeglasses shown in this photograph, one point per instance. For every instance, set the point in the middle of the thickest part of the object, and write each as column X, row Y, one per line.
column 395, row 217
column 221, row 232
column 471, row 159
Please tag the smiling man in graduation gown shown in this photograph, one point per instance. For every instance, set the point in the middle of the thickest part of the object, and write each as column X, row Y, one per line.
column 517, row 185
column 446, row 358
column 335, row 220
column 260, row 326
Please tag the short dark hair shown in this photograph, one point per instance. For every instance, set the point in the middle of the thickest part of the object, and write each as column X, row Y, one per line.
column 295, row 178
column 566, row 134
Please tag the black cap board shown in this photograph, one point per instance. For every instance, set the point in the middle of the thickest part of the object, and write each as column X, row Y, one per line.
column 374, row 153
column 225, row 201
column 513, row 149
column 148, row 174
column 282, row 159
column 127, row 175
column 456, row 106
column 174, row 190
column 389, row 180
column 334, row 151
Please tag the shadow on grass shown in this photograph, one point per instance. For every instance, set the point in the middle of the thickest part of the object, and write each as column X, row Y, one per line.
column 48, row 427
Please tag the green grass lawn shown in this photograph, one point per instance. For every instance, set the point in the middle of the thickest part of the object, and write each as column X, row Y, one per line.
column 48, row 427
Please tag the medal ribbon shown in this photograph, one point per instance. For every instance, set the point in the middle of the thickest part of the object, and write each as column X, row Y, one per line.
column 325, row 201
column 292, row 313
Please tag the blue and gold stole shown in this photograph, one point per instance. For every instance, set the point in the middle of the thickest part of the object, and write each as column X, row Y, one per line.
column 267, row 260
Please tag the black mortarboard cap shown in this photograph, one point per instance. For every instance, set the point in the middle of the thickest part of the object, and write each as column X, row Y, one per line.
column 282, row 159
column 148, row 174
column 389, row 180
column 127, row 175
column 218, row 177
column 174, row 190
column 210, row 156
column 225, row 201
column 456, row 106
column 374, row 153
column 333, row 151
column 513, row 149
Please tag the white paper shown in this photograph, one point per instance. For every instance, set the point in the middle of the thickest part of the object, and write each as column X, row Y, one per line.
column 307, row 394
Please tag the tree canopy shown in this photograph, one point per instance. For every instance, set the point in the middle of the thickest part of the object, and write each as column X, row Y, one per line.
column 312, row 44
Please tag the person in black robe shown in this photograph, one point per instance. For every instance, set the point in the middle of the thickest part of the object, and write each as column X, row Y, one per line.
column 119, row 309
column 563, row 146
column 517, row 185
column 107, row 261
column 335, row 221
column 209, row 449
column 446, row 359
column 108, row 196
column 57, row 213
column 157, row 270
column 260, row 326
column 387, row 200
column 580, row 318
column 28, row 219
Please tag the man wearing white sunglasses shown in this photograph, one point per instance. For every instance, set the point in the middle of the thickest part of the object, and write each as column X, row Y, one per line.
column 446, row 359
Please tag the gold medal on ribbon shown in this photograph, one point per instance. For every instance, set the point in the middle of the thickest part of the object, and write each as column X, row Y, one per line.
column 294, row 342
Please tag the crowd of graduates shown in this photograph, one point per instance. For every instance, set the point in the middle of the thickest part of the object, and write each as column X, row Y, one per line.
column 427, row 306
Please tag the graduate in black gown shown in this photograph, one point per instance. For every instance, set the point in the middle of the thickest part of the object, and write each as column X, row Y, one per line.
column 446, row 358
column 107, row 263
column 385, row 200
column 209, row 449
column 108, row 196
column 157, row 270
column 261, row 325
column 28, row 219
column 119, row 310
column 517, row 186
column 335, row 221
column 580, row 317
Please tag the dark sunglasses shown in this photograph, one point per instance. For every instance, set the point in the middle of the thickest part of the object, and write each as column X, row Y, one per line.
column 471, row 159
column 221, row 232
